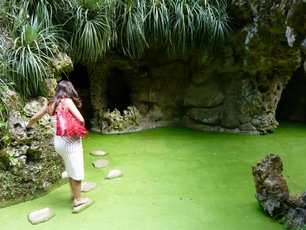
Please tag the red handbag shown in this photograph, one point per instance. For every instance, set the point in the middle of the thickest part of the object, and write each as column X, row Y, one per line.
column 68, row 125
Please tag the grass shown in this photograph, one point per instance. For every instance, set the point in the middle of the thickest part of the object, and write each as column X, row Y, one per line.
column 174, row 178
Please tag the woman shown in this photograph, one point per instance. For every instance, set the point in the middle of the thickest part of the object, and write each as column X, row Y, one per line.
column 70, row 148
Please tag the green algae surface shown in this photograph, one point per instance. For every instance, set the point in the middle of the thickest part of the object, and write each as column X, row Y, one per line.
column 173, row 178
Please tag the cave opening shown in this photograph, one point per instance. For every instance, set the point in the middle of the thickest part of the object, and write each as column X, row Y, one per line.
column 292, row 105
column 80, row 80
column 118, row 92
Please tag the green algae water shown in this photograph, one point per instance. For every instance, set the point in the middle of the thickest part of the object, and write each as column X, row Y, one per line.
column 174, row 178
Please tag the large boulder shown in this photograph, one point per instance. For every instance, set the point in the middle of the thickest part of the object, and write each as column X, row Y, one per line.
column 272, row 193
column 271, row 188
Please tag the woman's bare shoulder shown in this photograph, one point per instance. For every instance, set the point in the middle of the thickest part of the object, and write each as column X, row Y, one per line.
column 69, row 101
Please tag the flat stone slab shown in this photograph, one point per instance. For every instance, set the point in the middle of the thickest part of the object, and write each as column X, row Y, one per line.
column 64, row 175
column 102, row 163
column 98, row 153
column 114, row 173
column 88, row 186
column 40, row 216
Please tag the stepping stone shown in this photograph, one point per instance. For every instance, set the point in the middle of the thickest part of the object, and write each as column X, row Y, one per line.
column 88, row 186
column 102, row 163
column 82, row 207
column 40, row 216
column 64, row 175
column 98, row 153
column 114, row 173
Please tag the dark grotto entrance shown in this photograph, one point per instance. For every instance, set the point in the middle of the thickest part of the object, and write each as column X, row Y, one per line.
column 292, row 106
column 118, row 93
column 80, row 81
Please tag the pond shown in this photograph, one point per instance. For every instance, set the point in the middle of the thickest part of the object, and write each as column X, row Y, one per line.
column 173, row 178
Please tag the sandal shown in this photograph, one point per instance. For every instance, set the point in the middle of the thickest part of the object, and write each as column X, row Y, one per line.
column 81, row 201
column 82, row 204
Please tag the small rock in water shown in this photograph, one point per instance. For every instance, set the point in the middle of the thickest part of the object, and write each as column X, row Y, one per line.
column 98, row 153
column 102, row 163
column 64, row 175
column 114, row 173
column 87, row 186
column 40, row 216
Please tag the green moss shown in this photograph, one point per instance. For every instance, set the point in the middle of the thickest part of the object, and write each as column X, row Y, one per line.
column 174, row 178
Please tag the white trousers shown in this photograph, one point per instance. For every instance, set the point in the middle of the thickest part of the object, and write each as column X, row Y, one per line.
column 71, row 150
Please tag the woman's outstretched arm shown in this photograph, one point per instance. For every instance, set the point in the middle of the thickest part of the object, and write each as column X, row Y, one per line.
column 37, row 116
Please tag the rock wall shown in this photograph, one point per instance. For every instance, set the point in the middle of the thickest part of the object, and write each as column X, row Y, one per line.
column 236, row 88
column 29, row 165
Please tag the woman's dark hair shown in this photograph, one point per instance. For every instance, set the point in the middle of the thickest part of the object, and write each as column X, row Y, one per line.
column 65, row 89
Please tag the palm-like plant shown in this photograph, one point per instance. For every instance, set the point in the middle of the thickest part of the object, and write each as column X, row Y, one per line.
column 197, row 24
column 33, row 48
column 33, row 41
column 131, row 15
column 215, row 25
column 95, row 26
column 91, row 35
column 181, row 21
column 5, row 80
column 158, row 21
column 133, row 25
column 177, row 25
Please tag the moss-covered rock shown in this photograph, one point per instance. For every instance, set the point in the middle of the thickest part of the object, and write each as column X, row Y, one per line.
column 29, row 164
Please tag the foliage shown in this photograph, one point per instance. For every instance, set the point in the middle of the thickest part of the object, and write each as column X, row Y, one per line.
column 4, row 76
column 33, row 49
column 91, row 31
column 175, row 25
column 198, row 25
column 36, row 29
column 5, row 83
column 132, row 26
column 158, row 21
column 131, row 16
column 34, row 41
